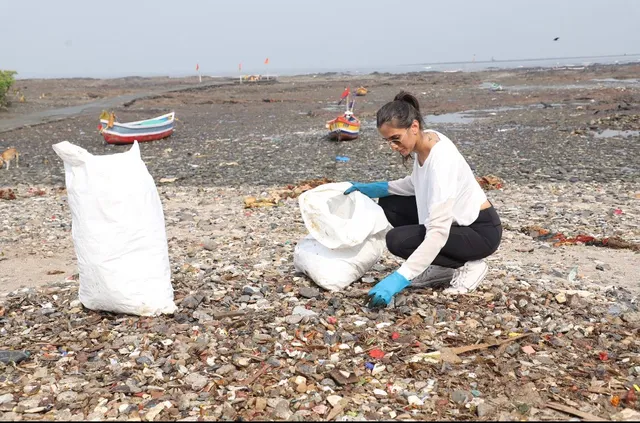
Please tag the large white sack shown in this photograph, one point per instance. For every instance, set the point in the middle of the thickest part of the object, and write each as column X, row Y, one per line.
column 336, row 269
column 347, row 235
column 340, row 221
column 118, row 232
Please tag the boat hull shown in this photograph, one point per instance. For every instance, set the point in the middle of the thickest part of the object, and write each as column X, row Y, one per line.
column 115, row 138
column 141, row 131
column 341, row 129
column 339, row 135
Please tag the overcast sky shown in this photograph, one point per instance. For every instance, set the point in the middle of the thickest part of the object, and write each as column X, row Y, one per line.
column 48, row 38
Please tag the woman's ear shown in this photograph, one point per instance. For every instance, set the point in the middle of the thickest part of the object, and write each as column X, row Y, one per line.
column 415, row 126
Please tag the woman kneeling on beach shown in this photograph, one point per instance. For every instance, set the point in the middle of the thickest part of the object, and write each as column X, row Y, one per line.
column 443, row 224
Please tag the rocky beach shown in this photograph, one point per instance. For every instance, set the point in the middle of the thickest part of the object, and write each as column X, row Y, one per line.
column 551, row 334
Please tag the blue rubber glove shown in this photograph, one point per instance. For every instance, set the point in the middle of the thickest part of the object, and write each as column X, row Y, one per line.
column 371, row 190
column 384, row 290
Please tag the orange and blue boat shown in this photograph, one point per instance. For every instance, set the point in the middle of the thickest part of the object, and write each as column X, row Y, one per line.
column 347, row 126
column 344, row 128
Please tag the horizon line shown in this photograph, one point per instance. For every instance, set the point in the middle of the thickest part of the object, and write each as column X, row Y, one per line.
column 344, row 70
column 538, row 59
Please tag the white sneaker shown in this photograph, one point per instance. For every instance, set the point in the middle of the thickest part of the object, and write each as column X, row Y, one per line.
column 468, row 277
column 433, row 275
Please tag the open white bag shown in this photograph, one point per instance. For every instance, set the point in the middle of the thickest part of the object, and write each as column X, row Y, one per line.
column 347, row 235
column 337, row 220
column 118, row 232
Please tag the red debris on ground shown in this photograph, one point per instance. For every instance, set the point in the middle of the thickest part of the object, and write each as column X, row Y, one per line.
column 489, row 182
column 376, row 354
column 542, row 234
column 7, row 194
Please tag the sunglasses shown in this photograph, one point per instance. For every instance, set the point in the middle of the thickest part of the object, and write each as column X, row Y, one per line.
column 396, row 141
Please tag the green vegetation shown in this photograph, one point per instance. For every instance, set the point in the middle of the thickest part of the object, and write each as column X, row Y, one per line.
column 6, row 81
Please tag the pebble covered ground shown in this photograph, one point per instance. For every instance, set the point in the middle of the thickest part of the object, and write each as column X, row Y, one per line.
column 552, row 333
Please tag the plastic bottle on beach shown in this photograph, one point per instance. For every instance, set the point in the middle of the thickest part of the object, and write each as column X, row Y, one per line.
column 7, row 357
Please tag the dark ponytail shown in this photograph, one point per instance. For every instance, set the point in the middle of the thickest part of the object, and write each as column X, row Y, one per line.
column 401, row 112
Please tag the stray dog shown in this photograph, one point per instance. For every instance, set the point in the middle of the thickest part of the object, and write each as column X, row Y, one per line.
column 8, row 155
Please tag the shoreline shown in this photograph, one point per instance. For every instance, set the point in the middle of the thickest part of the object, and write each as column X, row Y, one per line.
column 375, row 70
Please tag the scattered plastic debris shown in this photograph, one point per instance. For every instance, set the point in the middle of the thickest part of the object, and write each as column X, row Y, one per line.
column 7, row 194
column 16, row 357
column 376, row 353
column 559, row 239
column 290, row 191
column 490, row 182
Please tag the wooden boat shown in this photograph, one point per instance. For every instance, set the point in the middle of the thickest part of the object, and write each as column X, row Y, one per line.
column 361, row 91
column 347, row 126
column 142, row 130
column 344, row 128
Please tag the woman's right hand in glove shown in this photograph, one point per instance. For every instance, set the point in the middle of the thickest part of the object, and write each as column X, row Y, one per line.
column 371, row 190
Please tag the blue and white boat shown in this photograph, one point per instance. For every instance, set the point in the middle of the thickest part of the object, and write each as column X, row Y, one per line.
column 141, row 130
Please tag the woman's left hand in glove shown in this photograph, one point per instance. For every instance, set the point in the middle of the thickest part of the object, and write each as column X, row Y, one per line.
column 381, row 294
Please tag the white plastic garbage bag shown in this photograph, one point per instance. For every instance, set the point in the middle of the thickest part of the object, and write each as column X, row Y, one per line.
column 337, row 220
column 336, row 269
column 118, row 232
column 347, row 235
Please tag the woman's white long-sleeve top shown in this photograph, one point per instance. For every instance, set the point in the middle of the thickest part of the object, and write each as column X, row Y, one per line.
column 446, row 192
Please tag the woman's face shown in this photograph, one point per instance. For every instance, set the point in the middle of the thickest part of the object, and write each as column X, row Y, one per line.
column 402, row 140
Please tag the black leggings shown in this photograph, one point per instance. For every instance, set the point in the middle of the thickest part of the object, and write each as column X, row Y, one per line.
column 465, row 243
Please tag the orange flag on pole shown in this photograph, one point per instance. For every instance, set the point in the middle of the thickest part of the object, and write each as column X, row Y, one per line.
column 197, row 66
column 266, row 61
column 240, row 66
